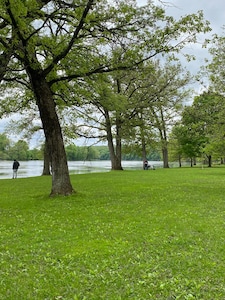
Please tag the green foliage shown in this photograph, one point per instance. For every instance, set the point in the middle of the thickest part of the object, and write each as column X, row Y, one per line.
column 35, row 154
column 4, row 146
column 189, row 141
column 19, row 150
column 215, row 66
column 134, row 153
column 102, row 153
column 123, row 235
column 201, row 128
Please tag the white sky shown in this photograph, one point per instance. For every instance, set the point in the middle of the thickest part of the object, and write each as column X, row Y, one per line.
column 214, row 12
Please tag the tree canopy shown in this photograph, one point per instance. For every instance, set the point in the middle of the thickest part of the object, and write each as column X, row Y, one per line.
column 201, row 130
column 51, row 46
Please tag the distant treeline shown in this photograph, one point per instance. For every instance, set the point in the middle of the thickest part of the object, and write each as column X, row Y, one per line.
column 102, row 153
column 20, row 150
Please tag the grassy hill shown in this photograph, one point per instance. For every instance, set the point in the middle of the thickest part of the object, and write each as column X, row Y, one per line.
column 122, row 235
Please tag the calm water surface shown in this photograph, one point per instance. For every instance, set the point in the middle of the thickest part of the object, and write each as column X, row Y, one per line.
column 34, row 167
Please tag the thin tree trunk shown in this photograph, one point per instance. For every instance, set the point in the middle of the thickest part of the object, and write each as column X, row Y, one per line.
column 163, row 137
column 210, row 161
column 143, row 146
column 180, row 161
column 165, row 157
column 144, row 151
column 47, row 162
column 115, row 155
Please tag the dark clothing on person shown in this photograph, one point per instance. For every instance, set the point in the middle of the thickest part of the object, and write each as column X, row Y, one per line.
column 15, row 167
column 146, row 165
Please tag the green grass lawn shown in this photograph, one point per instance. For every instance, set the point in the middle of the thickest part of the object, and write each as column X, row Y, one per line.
column 123, row 235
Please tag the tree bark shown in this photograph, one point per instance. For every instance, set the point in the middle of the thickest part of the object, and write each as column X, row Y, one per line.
column 165, row 157
column 4, row 60
column 179, row 158
column 61, row 184
column 47, row 162
column 143, row 146
column 209, row 161
column 144, row 151
column 115, row 155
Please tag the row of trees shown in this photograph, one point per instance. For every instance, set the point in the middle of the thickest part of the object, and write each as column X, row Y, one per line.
column 10, row 150
column 91, row 70
column 200, row 133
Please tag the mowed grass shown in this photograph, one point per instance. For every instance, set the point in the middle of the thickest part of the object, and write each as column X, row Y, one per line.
column 123, row 235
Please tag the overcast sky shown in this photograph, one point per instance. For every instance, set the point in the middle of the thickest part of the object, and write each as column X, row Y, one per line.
column 214, row 12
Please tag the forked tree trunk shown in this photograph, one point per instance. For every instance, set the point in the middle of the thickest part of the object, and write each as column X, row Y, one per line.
column 61, row 184
column 115, row 155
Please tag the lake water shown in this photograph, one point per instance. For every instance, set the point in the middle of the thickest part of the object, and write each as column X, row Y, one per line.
column 34, row 167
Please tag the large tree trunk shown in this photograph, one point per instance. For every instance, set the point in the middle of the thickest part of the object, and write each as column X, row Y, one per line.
column 115, row 161
column 61, row 184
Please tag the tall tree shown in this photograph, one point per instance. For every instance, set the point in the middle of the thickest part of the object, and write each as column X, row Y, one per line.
column 47, row 39
column 161, row 94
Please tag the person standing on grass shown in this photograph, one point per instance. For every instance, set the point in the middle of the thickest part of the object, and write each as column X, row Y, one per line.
column 145, row 165
column 15, row 167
